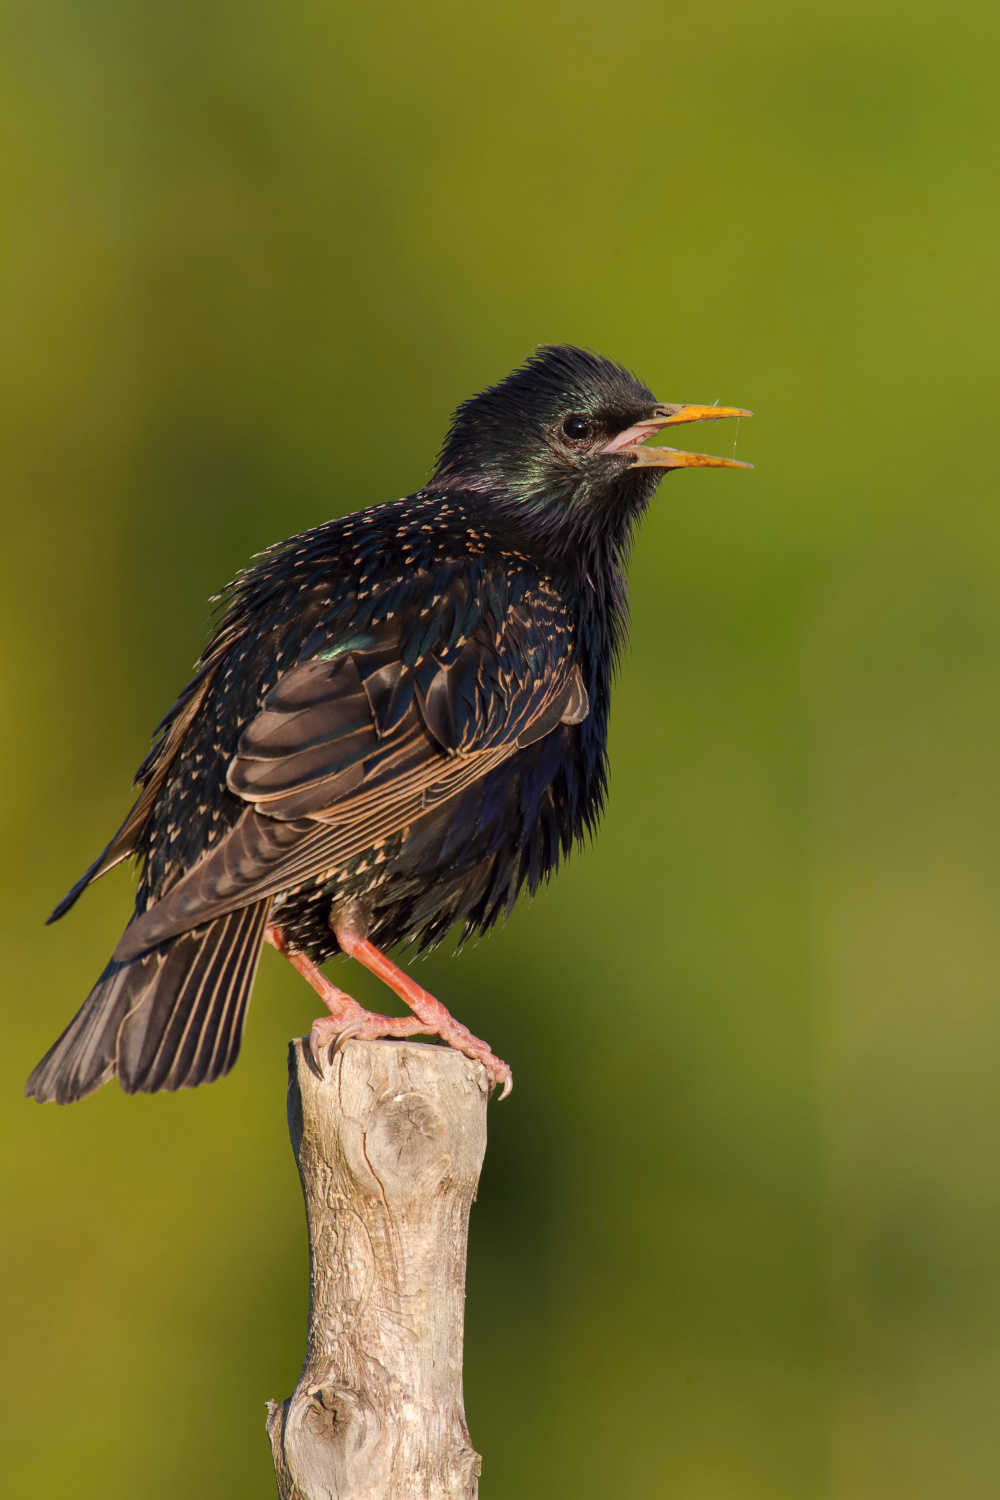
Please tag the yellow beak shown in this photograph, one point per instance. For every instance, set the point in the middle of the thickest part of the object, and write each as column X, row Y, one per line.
column 632, row 439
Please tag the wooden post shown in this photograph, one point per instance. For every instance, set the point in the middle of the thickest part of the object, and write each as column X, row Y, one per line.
column 389, row 1147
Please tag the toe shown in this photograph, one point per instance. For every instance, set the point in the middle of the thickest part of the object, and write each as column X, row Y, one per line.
column 324, row 1035
column 499, row 1075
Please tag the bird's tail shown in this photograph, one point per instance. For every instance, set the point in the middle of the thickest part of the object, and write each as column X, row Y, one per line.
column 169, row 1019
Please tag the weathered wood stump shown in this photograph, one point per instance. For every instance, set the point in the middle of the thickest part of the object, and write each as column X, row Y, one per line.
column 389, row 1147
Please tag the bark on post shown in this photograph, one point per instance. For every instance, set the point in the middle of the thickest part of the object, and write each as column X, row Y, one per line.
column 389, row 1148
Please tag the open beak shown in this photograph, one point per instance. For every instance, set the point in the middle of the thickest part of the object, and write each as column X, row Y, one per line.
column 631, row 440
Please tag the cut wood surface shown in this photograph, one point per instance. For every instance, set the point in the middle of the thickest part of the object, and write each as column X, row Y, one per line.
column 389, row 1145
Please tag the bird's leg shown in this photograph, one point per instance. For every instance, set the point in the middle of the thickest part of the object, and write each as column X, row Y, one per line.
column 433, row 1015
column 347, row 1018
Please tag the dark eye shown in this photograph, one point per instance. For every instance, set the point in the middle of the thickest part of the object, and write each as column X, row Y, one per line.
column 576, row 429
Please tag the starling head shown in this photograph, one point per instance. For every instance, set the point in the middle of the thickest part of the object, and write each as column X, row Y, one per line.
column 557, row 446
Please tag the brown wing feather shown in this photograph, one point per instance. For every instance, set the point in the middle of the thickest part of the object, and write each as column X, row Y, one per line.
column 325, row 784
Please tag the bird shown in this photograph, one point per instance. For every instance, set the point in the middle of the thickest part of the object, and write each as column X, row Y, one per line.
column 399, row 726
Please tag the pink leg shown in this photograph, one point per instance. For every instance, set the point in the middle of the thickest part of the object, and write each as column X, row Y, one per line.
column 347, row 1018
column 430, row 1012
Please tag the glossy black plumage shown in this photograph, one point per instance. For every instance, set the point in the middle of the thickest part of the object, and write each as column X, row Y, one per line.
column 404, row 712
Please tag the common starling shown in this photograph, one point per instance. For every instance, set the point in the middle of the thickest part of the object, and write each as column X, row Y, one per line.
column 400, row 724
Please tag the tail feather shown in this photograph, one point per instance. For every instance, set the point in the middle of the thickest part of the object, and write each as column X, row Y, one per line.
column 184, row 1034
column 171, row 1019
column 84, row 1056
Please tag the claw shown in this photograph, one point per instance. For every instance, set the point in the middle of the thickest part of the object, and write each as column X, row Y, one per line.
column 355, row 1029
column 323, row 1035
column 498, row 1072
column 314, row 1050
column 317, row 1040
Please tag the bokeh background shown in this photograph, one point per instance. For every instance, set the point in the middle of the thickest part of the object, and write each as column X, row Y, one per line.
column 739, row 1230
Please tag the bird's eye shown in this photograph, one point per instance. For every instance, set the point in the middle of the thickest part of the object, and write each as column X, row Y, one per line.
column 576, row 428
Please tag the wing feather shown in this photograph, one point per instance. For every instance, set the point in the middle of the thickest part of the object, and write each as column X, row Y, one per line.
column 352, row 747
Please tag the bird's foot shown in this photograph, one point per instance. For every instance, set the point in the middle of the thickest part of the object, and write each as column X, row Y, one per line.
column 329, row 1033
column 434, row 1017
column 347, row 1018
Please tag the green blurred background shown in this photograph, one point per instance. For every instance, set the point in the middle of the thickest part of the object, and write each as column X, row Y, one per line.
column 739, row 1229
